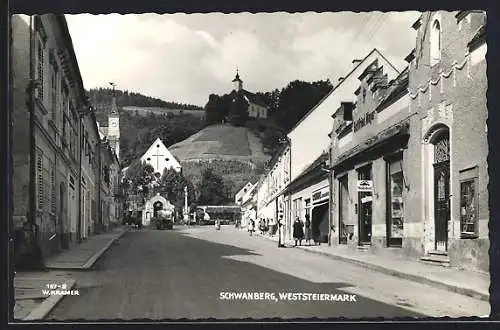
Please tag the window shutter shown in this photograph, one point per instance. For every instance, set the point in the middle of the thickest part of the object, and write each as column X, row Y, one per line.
column 39, row 171
column 40, row 70
column 53, row 187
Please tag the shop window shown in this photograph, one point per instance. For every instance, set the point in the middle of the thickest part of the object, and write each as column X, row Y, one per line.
column 395, row 212
column 468, row 208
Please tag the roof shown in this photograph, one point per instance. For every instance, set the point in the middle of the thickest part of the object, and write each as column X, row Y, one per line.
column 396, row 87
column 252, row 97
column 478, row 38
column 374, row 50
column 315, row 166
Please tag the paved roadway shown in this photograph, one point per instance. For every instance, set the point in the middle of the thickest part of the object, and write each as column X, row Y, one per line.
column 152, row 274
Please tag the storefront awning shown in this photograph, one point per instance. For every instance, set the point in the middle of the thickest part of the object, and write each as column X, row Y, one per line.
column 372, row 146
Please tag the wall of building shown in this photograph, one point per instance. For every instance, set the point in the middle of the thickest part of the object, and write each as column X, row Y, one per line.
column 56, row 162
column 310, row 137
column 453, row 92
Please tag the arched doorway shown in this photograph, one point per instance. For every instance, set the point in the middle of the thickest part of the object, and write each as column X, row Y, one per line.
column 156, row 207
column 63, row 202
column 441, row 180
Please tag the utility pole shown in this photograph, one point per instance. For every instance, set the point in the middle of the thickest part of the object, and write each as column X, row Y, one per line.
column 186, row 215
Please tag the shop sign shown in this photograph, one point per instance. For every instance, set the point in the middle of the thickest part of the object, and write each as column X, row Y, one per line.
column 364, row 120
column 366, row 199
column 365, row 186
column 320, row 194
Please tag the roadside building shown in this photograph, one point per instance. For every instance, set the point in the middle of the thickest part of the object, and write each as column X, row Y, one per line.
column 309, row 144
column 408, row 157
column 90, row 173
column 257, row 108
column 448, row 86
column 372, row 162
column 270, row 203
column 47, row 87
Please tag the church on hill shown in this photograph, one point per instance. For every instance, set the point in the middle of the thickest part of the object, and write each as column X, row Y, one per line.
column 160, row 157
column 256, row 107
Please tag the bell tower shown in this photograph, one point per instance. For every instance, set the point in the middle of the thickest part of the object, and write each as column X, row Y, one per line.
column 114, row 125
column 237, row 82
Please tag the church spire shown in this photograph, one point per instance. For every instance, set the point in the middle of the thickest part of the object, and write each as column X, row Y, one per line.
column 237, row 82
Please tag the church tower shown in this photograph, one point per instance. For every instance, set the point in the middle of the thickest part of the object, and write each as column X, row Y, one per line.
column 237, row 82
column 114, row 126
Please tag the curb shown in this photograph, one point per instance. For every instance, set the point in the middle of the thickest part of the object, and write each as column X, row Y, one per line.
column 415, row 278
column 47, row 305
column 96, row 256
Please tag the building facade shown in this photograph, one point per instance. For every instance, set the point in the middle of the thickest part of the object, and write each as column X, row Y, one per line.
column 90, row 174
column 409, row 156
column 309, row 138
column 448, row 86
column 160, row 158
column 47, row 84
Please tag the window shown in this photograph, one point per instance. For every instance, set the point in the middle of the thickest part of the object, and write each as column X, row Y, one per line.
column 435, row 51
column 468, row 208
column 395, row 212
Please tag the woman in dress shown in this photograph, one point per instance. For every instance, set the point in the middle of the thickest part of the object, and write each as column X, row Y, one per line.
column 298, row 231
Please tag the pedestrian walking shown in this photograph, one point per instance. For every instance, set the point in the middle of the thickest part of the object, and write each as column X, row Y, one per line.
column 308, row 230
column 251, row 226
column 298, row 231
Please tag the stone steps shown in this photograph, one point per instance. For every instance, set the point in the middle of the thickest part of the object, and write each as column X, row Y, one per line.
column 439, row 258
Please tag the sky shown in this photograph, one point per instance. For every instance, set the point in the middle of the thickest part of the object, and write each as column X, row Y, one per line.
column 186, row 57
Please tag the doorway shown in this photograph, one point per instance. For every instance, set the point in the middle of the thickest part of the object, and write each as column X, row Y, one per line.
column 343, row 208
column 441, row 169
column 365, row 208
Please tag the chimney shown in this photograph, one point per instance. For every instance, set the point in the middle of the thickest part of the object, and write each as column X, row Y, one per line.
column 341, row 79
column 355, row 63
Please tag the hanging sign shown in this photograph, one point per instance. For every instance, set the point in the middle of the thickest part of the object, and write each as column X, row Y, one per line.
column 365, row 186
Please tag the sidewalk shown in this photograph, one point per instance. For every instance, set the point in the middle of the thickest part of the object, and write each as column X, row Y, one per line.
column 34, row 304
column 464, row 282
column 31, row 302
column 84, row 255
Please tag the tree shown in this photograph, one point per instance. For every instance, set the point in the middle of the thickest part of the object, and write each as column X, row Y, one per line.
column 211, row 189
column 172, row 186
column 297, row 98
column 238, row 114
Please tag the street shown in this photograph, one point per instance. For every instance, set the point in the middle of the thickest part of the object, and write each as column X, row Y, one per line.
column 177, row 274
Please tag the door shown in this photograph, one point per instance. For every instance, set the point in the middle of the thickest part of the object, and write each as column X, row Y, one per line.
column 441, row 204
column 343, row 207
column 365, row 208
column 441, row 190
